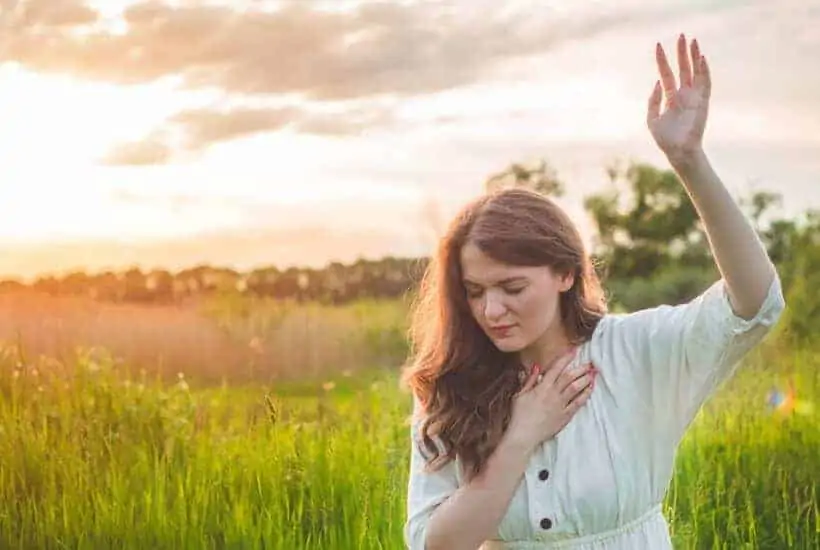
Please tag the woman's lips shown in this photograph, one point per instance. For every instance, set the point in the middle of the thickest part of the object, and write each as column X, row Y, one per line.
column 501, row 330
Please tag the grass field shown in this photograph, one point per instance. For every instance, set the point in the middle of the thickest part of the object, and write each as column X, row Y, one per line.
column 93, row 455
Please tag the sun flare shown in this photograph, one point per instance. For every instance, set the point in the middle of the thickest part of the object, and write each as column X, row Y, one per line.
column 60, row 120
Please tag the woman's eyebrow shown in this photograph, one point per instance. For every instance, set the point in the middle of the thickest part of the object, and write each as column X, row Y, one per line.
column 501, row 282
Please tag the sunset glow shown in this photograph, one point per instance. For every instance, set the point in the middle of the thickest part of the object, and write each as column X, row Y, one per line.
column 154, row 123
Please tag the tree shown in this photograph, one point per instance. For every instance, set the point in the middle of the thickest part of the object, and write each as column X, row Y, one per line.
column 759, row 204
column 160, row 284
column 76, row 283
column 134, row 281
column 795, row 249
column 646, row 223
column 539, row 177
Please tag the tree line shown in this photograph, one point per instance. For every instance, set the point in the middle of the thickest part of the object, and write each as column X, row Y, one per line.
column 336, row 283
column 649, row 248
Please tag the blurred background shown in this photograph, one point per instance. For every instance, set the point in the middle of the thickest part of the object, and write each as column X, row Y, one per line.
column 214, row 214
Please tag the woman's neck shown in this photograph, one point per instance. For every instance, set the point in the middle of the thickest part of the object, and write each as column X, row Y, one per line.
column 549, row 347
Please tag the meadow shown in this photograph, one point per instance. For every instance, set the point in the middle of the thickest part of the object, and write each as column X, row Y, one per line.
column 234, row 423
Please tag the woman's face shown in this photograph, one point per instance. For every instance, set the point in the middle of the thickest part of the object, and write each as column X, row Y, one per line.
column 513, row 305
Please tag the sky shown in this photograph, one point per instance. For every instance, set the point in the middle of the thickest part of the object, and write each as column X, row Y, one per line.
column 299, row 132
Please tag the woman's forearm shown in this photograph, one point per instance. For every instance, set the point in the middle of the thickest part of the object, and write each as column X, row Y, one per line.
column 472, row 514
column 739, row 254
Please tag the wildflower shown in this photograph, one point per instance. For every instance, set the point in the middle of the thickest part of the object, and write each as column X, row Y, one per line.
column 327, row 386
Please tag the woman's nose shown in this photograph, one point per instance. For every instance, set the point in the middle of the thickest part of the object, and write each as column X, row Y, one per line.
column 493, row 308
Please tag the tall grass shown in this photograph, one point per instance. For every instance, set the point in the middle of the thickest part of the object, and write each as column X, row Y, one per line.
column 89, row 459
column 95, row 455
column 231, row 338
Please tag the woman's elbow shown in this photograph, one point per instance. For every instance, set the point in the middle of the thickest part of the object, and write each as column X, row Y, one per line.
column 417, row 537
column 415, row 532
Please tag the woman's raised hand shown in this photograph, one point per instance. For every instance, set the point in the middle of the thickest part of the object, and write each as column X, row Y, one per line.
column 678, row 130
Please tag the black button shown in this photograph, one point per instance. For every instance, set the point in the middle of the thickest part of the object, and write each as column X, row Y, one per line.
column 546, row 523
column 543, row 475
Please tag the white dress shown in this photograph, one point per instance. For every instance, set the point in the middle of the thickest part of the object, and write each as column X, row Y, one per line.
column 599, row 484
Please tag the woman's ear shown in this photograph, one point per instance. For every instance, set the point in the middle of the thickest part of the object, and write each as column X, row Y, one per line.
column 567, row 281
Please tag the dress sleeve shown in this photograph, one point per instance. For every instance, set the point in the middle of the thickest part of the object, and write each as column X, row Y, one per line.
column 675, row 357
column 426, row 490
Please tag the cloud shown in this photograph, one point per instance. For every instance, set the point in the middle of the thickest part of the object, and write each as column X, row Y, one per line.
column 202, row 127
column 194, row 130
column 378, row 48
column 42, row 14
column 312, row 57
column 351, row 122
column 155, row 149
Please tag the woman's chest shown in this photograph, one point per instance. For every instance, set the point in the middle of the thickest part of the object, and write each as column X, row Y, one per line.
column 588, row 479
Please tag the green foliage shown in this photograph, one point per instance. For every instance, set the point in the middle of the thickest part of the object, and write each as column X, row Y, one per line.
column 539, row 177
column 645, row 223
column 91, row 457
column 796, row 246
column 649, row 241
column 654, row 249
column 672, row 286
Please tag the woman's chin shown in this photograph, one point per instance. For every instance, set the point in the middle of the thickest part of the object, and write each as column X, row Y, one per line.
column 508, row 345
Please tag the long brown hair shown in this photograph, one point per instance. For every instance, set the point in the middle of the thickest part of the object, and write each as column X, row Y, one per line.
column 463, row 382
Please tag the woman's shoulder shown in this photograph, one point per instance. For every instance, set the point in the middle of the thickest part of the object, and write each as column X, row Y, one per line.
column 601, row 343
column 626, row 332
column 638, row 321
column 708, row 312
column 612, row 323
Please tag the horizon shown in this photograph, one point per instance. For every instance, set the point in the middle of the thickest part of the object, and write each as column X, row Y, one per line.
column 171, row 137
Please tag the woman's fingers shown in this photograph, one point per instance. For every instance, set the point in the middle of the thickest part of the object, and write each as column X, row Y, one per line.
column 704, row 79
column 571, row 390
column 578, row 401
column 569, row 377
column 653, row 110
column 694, row 48
column 685, row 68
column 558, row 366
column 667, row 77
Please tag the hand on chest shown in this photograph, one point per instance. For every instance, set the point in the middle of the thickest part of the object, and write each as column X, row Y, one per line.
column 577, row 482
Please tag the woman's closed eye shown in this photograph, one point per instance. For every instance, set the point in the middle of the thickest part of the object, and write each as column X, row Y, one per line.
column 475, row 294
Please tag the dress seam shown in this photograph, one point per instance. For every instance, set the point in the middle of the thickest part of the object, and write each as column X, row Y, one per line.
column 653, row 512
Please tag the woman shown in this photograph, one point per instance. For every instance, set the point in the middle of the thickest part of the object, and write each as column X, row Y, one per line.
column 566, row 455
